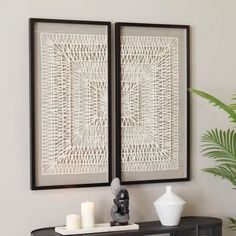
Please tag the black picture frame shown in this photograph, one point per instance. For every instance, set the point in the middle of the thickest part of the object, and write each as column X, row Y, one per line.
column 133, row 29
column 34, row 111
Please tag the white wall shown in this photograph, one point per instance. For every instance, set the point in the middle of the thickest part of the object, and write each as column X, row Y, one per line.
column 213, row 69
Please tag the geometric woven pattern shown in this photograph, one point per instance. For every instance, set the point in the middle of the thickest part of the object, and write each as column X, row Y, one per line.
column 74, row 102
column 149, row 103
column 170, row 214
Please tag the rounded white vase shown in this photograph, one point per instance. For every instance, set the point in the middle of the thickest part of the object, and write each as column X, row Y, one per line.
column 169, row 208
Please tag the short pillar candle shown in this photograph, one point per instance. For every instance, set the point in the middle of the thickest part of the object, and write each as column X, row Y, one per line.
column 87, row 215
column 73, row 222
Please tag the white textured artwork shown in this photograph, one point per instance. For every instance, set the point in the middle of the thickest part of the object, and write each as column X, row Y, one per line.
column 74, row 102
column 149, row 103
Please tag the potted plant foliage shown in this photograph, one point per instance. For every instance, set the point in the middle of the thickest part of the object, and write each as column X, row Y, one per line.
column 220, row 145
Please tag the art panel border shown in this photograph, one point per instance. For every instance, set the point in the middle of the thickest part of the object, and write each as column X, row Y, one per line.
column 132, row 40
column 66, row 34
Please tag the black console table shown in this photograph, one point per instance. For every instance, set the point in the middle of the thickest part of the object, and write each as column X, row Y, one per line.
column 189, row 226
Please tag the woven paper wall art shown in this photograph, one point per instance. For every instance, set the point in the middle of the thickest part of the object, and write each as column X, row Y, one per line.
column 152, row 80
column 70, row 86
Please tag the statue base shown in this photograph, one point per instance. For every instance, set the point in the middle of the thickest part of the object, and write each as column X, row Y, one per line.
column 113, row 223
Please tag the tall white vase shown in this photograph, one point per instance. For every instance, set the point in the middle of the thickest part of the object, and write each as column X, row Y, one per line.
column 169, row 208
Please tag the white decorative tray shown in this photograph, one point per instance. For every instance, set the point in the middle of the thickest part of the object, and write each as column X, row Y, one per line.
column 97, row 229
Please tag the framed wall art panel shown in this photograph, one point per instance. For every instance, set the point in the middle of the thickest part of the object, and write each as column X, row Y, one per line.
column 152, row 103
column 70, row 70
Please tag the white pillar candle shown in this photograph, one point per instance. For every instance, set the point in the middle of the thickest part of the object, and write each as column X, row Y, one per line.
column 72, row 222
column 87, row 215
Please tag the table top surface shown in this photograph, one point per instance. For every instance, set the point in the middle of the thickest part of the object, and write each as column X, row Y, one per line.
column 151, row 227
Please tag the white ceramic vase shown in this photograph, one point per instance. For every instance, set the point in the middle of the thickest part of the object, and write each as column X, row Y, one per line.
column 169, row 208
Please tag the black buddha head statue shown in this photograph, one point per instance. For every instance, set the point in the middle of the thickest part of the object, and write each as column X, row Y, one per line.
column 120, row 208
column 122, row 201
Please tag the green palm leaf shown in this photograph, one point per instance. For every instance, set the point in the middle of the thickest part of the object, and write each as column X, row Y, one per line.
column 232, row 223
column 223, row 172
column 233, row 106
column 218, row 103
column 221, row 146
